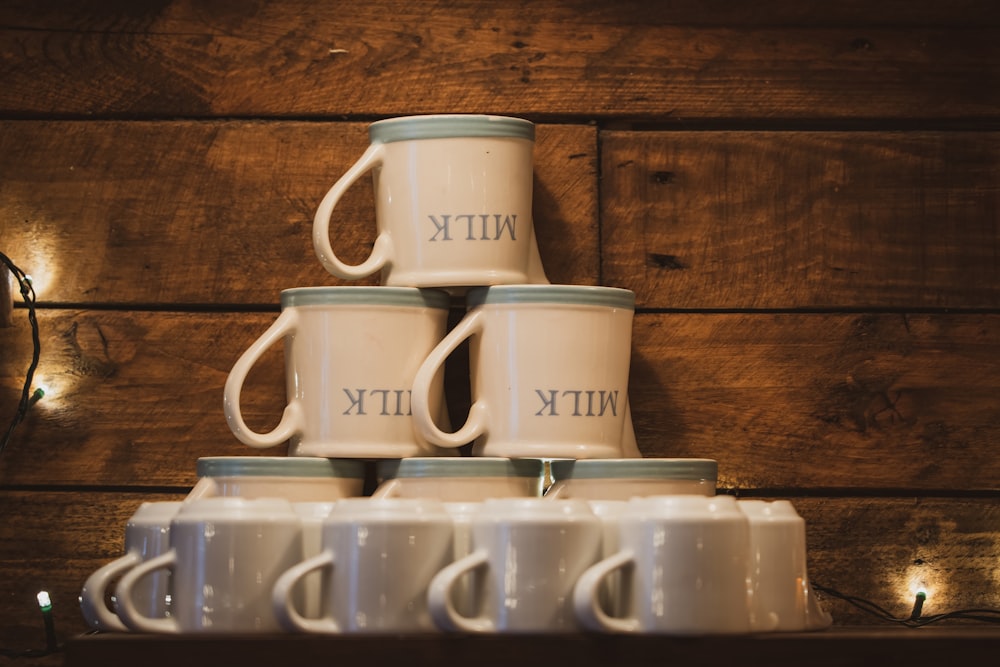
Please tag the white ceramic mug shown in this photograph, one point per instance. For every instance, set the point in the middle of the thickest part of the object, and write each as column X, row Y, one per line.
column 226, row 555
column 526, row 555
column 685, row 563
column 147, row 535
column 295, row 478
column 549, row 370
column 452, row 203
column 621, row 479
column 614, row 598
column 462, row 513
column 313, row 515
column 459, row 478
column 350, row 357
column 782, row 597
column 378, row 557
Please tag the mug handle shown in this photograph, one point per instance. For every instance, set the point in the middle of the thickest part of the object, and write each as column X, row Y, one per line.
column 557, row 490
column 283, row 603
column 206, row 487
column 476, row 422
column 387, row 489
column 381, row 250
column 291, row 419
column 92, row 604
column 439, row 596
column 586, row 593
column 125, row 606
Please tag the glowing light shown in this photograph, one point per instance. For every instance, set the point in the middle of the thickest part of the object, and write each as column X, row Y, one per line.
column 919, row 581
column 44, row 601
column 919, row 586
column 42, row 275
column 50, row 388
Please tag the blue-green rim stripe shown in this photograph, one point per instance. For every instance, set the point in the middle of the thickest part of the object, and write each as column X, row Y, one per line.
column 448, row 126
column 275, row 466
column 613, row 297
column 682, row 469
column 365, row 296
column 455, row 467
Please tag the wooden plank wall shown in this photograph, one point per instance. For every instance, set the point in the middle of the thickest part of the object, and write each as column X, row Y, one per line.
column 803, row 196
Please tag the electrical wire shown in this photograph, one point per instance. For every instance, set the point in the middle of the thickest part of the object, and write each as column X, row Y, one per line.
column 52, row 643
column 915, row 619
column 27, row 399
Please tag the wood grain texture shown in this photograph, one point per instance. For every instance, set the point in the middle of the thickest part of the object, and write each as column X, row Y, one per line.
column 672, row 61
column 876, row 548
column 817, row 400
column 835, row 647
column 873, row 401
column 802, row 219
column 221, row 212
column 53, row 542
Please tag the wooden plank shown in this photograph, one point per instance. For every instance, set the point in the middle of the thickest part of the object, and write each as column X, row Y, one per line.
column 873, row 548
column 221, row 212
column 668, row 61
column 817, row 400
column 782, row 401
column 52, row 542
column 802, row 219
column 836, row 647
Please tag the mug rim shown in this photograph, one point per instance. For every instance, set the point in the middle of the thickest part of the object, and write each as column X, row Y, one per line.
column 458, row 466
column 659, row 469
column 365, row 295
column 533, row 509
column 445, row 126
column 348, row 510
column 235, row 509
column 583, row 295
column 683, row 507
column 279, row 466
column 155, row 512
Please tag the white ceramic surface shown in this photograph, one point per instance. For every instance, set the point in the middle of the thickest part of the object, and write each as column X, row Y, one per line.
column 687, row 564
column 378, row 556
column 225, row 557
column 526, row 555
column 782, row 597
column 459, row 479
column 350, row 357
column 313, row 515
column 147, row 535
column 614, row 598
column 549, row 370
column 294, row 478
column 463, row 590
column 453, row 196
column 622, row 479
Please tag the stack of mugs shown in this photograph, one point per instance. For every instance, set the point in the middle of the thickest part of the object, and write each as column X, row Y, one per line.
column 555, row 523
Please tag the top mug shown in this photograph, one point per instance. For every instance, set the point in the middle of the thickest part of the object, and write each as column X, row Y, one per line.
column 453, row 200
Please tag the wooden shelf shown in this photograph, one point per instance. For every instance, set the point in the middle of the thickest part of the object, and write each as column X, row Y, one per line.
column 852, row 646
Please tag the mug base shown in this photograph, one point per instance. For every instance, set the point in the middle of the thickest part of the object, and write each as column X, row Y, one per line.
column 457, row 282
column 365, row 450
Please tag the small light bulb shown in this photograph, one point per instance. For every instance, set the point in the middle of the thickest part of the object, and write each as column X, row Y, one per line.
column 44, row 601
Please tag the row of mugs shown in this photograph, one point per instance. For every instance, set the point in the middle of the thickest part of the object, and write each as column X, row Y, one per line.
column 549, row 371
column 675, row 564
column 452, row 479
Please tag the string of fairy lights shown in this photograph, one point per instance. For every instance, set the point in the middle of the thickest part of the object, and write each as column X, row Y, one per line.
column 915, row 619
column 28, row 398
